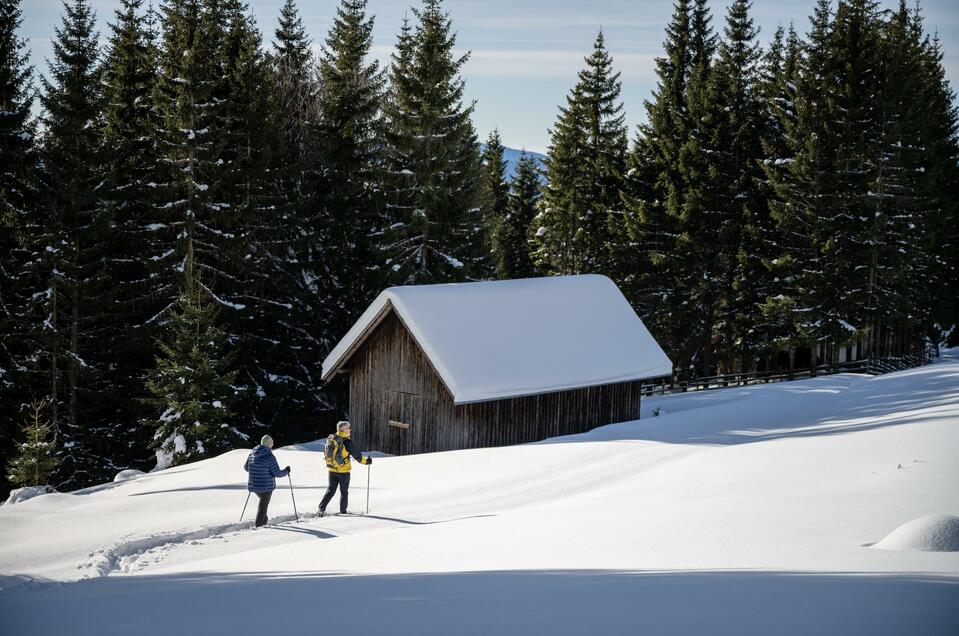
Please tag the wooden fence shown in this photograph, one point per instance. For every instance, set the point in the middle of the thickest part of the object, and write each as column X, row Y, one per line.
column 871, row 367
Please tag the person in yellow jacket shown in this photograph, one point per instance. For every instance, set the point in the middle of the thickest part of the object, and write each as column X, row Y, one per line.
column 338, row 450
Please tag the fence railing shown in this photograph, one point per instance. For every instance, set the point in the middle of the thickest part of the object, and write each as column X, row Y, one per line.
column 871, row 367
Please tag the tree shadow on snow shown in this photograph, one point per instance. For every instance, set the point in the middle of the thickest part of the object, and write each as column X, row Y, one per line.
column 556, row 602
column 828, row 405
column 319, row 534
column 423, row 523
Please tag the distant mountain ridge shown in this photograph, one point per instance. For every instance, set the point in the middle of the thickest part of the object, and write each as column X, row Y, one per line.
column 511, row 155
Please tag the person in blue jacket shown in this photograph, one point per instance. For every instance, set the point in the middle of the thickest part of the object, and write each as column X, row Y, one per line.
column 263, row 469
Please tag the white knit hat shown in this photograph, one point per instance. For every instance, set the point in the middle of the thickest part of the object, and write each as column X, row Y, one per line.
column 267, row 441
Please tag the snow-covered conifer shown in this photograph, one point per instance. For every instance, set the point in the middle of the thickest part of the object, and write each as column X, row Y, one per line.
column 70, row 239
column 646, row 263
column 495, row 194
column 742, row 242
column 190, row 389
column 128, row 202
column 668, row 192
column 939, row 187
column 512, row 237
column 18, row 199
column 35, row 458
column 432, row 170
column 584, row 172
column 346, row 259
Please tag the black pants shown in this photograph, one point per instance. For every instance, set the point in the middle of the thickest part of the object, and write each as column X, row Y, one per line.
column 343, row 481
column 261, row 509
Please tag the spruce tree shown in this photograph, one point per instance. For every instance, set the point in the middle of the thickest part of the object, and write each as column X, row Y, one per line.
column 743, row 238
column 18, row 199
column 190, row 387
column 803, row 179
column 295, row 90
column 189, row 114
column 289, row 392
column 17, row 138
column 697, row 281
column 495, row 195
column 129, row 125
column 653, row 192
column 294, row 109
column 780, row 132
column 558, row 238
column 939, row 188
column 253, row 273
column 338, row 250
column 298, row 176
column 850, row 229
column 668, row 195
column 210, row 190
column 512, row 236
column 346, row 259
column 777, row 89
column 201, row 134
column 431, row 171
column 35, row 459
column 584, row 172
column 897, row 249
column 72, row 231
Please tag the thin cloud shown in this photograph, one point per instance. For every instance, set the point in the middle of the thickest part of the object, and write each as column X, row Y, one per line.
column 552, row 63
column 539, row 63
column 539, row 23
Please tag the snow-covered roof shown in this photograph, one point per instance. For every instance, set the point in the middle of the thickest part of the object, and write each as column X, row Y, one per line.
column 502, row 339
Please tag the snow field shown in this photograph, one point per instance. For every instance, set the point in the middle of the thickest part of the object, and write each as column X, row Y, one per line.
column 746, row 511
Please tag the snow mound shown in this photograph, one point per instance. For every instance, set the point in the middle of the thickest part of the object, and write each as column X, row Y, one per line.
column 125, row 475
column 28, row 492
column 932, row 533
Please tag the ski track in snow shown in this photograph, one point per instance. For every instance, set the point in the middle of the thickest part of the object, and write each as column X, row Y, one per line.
column 136, row 553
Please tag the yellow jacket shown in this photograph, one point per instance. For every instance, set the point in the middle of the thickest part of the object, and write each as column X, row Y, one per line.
column 346, row 451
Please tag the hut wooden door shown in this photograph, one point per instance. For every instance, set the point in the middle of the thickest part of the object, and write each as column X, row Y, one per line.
column 402, row 422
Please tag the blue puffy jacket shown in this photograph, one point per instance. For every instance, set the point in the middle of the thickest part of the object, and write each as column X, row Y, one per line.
column 263, row 469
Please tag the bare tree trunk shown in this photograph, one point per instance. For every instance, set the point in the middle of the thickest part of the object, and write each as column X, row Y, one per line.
column 74, row 352
column 54, row 357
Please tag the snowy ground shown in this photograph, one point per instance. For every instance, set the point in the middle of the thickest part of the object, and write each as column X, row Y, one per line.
column 741, row 511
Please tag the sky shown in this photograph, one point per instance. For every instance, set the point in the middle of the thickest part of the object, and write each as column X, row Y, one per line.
column 525, row 53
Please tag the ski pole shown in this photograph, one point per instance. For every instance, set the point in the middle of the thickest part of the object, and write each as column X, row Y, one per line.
column 295, row 515
column 244, row 505
column 369, row 469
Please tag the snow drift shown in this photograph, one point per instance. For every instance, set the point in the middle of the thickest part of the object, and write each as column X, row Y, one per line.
column 27, row 492
column 932, row 533
column 129, row 473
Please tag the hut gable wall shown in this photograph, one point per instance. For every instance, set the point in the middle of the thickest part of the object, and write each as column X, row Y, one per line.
column 398, row 404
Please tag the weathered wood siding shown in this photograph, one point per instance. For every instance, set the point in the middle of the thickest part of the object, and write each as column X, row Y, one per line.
column 536, row 417
column 399, row 405
column 388, row 373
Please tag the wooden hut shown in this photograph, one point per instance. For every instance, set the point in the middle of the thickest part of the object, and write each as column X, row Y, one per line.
column 443, row 367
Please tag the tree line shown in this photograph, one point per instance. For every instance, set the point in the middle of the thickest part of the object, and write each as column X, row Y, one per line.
column 802, row 195
column 196, row 217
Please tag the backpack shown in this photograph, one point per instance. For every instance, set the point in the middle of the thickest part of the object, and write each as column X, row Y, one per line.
column 333, row 451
